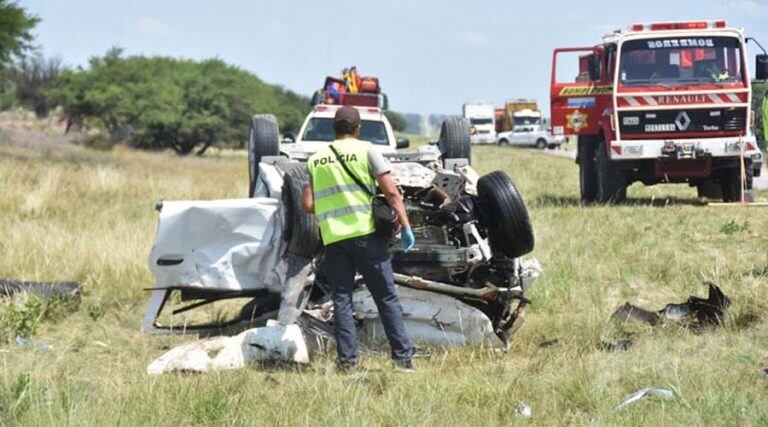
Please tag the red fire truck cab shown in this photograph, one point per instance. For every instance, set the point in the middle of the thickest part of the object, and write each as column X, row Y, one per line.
column 665, row 102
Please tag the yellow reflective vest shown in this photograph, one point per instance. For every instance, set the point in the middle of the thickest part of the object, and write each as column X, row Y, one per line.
column 342, row 208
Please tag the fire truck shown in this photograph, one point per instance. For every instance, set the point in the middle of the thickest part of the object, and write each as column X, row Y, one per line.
column 661, row 103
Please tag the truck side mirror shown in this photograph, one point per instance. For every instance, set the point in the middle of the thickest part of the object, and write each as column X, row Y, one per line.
column 403, row 143
column 761, row 67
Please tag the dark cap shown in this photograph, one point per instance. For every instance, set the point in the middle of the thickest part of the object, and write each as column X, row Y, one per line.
column 347, row 114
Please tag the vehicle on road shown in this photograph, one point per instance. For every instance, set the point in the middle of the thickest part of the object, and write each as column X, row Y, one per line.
column 661, row 103
column 481, row 117
column 530, row 136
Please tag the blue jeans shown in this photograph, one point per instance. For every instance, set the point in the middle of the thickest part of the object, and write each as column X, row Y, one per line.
column 369, row 256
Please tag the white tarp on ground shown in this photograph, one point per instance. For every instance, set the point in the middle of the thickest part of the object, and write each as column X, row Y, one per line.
column 430, row 318
column 274, row 342
column 220, row 244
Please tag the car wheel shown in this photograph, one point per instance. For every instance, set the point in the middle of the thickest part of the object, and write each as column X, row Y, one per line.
column 454, row 140
column 503, row 214
column 587, row 170
column 541, row 144
column 611, row 179
column 263, row 140
column 300, row 229
column 503, row 142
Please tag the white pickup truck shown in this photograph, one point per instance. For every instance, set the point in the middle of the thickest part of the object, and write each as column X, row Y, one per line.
column 530, row 136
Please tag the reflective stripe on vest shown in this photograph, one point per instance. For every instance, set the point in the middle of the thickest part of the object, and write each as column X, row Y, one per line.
column 342, row 208
column 340, row 189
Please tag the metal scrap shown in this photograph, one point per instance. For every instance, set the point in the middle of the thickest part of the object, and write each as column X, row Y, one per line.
column 42, row 289
column 695, row 312
column 662, row 393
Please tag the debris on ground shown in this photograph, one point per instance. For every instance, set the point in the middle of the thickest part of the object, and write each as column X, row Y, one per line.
column 694, row 313
column 30, row 343
column 274, row 342
column 45, row 290
column 662, row 393
column 549, row 343
column 523, row 410
column 618, row 345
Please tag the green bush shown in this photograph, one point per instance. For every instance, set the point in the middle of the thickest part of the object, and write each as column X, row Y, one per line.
column 160, row 102
column 759, row 90
column 21, row 315
column 397, row 120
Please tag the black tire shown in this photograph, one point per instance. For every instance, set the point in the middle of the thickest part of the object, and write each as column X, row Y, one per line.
column 300, row 229
column 263, row 140
column 541, row 144
column 454, row 140
column 709, row 189
column 587, row 170
column 503, row 142
column 730, row 185
column 611, row 179
column 503, row 214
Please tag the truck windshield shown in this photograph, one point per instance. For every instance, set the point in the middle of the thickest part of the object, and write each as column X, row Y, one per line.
column 681, row 61
column 321, row 129
column 476, row 122
column 524, row 121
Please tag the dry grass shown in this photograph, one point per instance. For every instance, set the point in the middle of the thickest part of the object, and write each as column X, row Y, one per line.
column 70, row 213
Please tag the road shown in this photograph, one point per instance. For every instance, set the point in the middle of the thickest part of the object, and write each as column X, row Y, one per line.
column 760, row 183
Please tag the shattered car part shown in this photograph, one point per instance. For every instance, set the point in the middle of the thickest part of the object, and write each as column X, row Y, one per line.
column 662, row 393
column 695, row 312
column 430, row 318
column 41, row 289
column 274, row 342
column 523, row 410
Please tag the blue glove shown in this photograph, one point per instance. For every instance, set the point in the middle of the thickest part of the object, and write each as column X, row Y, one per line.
column 407, row 239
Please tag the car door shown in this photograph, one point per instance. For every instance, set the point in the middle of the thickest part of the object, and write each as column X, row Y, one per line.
column 517, row 137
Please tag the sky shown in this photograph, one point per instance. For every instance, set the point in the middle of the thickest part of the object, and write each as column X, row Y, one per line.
column 431, row 55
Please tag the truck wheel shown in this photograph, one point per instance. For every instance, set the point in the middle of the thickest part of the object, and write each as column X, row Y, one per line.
column 454, row 139
column 503, row 214
column 300, row 229
column 587, row 170
column 503, row 142
column 709, row 189
column 731, row 186
column 263, row 140
column 541, row 144
column 611, row 179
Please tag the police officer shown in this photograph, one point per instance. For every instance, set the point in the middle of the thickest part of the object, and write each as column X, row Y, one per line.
column 343, row 211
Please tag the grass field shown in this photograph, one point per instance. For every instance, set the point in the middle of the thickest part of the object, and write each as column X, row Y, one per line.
column 69, row 213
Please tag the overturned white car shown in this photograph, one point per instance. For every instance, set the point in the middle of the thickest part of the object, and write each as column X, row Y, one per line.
column 464, row 281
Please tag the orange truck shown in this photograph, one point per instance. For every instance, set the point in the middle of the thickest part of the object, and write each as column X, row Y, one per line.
column 661, row 103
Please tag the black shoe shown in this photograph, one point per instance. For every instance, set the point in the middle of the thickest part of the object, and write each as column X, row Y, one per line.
column 405, row 366
column 346, row 367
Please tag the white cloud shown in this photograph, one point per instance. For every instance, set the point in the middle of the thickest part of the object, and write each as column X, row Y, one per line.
column 147, row 25
column 473, row 38
column 750, row 8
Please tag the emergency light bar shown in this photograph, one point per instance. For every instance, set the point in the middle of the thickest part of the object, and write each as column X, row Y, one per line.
column 693, row 25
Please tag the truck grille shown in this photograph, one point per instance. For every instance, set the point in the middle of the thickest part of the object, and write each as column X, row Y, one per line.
column 688, row 123
column 734, row 120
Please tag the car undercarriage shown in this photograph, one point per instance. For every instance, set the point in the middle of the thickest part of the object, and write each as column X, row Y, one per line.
column 471, row 233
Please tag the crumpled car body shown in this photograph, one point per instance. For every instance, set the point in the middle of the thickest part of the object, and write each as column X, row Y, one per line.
column 458, row 286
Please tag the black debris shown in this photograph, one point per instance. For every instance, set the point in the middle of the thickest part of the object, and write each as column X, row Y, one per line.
column 42, row 289
column 695, row 312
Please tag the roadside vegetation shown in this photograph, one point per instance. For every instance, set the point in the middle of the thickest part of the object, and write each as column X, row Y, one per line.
column 74, row 213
